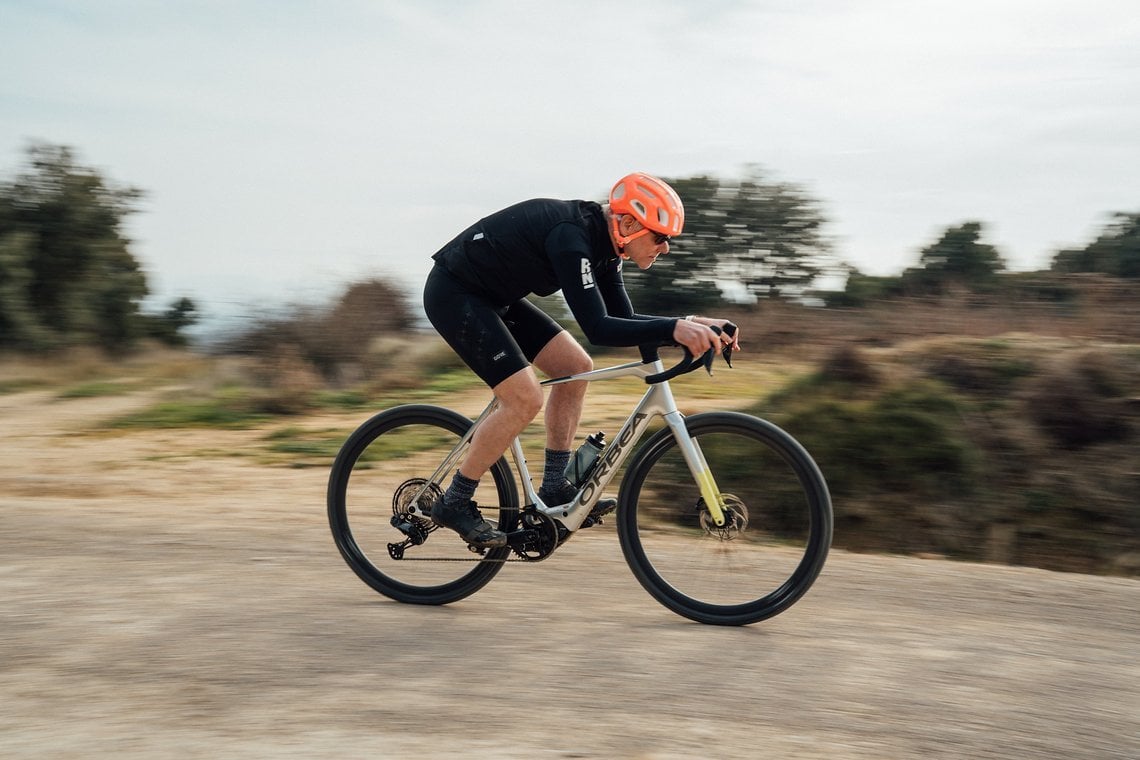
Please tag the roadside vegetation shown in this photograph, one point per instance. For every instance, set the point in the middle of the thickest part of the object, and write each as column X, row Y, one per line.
column 956, row 409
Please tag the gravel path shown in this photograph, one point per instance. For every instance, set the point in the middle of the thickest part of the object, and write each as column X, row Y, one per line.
column 162, row 602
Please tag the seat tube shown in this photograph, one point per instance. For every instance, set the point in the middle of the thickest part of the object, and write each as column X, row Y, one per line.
column 516, row 450
column 698, row 466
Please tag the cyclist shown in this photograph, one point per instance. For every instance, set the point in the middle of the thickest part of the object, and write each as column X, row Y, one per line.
column 475, row 298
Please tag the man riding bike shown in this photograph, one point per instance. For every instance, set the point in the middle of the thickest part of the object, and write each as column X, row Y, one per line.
column 475, row 297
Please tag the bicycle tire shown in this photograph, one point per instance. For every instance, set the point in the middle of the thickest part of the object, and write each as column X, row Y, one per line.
column 394, row 448
column 732, row 576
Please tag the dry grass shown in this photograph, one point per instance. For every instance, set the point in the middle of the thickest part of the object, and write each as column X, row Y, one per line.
column 1047, row 396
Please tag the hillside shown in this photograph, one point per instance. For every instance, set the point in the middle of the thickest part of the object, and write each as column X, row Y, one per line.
column 971, row 427
column 974, row 427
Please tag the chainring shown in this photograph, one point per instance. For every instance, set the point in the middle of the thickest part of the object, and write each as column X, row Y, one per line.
column 735, row 518
column 546, row 536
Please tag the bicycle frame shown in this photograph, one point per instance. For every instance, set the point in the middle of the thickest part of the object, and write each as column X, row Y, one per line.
column 658, row 401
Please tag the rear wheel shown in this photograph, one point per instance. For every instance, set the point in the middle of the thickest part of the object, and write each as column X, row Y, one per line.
column 379, row 500
column 772, row 545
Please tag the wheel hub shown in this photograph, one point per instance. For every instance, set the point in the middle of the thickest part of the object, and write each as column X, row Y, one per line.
column 735, row 518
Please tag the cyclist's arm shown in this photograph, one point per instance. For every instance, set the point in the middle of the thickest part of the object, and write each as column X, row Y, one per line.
column 689, row 335
column 583, row 293
column 615, row 297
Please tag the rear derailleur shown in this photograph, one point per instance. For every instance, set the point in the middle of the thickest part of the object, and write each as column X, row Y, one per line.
column 409, row 516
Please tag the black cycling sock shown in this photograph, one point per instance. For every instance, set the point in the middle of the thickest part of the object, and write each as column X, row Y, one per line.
column 555, row 473
column 462, row 488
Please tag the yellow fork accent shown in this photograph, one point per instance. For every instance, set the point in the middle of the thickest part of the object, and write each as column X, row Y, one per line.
column 713, row 498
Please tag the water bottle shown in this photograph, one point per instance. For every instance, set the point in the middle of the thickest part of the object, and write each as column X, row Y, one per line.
column 584, row 459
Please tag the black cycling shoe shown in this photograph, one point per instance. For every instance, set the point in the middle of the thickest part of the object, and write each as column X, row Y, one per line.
column 565, row 493
column 466, row 520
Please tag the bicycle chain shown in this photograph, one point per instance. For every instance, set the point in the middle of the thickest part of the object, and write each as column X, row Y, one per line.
column 517, row 558
column 464, row 559
column 535, row 520
column 402, row 501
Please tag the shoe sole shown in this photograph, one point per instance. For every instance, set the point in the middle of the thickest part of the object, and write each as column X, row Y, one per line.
column 597, row 512
column 493, row 543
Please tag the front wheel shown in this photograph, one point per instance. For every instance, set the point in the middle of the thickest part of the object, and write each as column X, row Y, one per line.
column 772, row 545
column 381, row 482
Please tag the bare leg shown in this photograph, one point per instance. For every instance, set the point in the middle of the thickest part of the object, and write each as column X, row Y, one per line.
column 520, row 399
column 560, row 357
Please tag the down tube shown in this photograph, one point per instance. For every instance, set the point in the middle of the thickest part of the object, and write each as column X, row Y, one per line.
column 656, row 402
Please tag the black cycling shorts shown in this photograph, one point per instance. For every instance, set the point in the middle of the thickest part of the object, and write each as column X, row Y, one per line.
column 495, row 342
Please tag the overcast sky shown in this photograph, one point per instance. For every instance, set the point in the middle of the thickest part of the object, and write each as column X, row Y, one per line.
column 287, row 147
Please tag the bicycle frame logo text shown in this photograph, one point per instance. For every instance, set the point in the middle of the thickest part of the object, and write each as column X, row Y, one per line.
column 608, row 463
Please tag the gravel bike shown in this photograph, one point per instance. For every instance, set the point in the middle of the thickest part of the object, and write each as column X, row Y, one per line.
column 723, row 517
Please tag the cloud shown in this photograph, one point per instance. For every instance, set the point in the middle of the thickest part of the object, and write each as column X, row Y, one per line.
column 291, row 146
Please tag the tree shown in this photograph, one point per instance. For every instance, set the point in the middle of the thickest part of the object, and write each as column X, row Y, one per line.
column 18, row 322
column 862, row 290
column 746, row 238
column 1115, row 252
column 66, row 273
column 168, row 326
column 334, row 337
column 774, row 243
column 957, row 258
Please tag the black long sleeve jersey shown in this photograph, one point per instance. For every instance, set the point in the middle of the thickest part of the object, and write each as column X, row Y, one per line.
column 543, row 245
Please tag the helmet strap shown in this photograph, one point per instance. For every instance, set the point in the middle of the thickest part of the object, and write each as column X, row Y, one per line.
column 620, row 240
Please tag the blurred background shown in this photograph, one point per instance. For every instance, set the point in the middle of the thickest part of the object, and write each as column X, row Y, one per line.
column 926, row 219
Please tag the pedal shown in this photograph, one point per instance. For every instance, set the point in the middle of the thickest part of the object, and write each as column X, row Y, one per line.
column 517, row 539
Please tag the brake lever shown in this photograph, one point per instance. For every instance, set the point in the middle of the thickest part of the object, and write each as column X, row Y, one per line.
column 690, row 363
column 726, row 352
column 707, row 360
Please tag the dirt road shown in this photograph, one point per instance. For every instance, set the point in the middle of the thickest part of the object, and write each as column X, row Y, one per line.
column 163, row 598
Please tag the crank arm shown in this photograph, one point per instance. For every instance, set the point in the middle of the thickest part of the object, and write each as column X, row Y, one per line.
column 519, row 539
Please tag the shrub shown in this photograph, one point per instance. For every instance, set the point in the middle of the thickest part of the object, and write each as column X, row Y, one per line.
column 908, row 438
column 1078, row 400
column 848, row 364
column 336, row 340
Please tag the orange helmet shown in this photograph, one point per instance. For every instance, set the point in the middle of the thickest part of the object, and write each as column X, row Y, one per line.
column 650, row 201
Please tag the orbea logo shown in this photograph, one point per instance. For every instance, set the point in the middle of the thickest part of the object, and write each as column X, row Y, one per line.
column 612, row 455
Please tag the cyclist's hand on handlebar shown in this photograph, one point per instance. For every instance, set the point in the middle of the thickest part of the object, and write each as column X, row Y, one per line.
column 727, row 337
column 700, row 337
column 697, row 338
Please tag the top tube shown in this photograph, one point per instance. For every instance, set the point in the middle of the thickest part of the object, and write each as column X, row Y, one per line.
column 632, row 369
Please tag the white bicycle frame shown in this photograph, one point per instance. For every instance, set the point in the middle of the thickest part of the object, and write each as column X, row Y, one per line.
column 658, row 401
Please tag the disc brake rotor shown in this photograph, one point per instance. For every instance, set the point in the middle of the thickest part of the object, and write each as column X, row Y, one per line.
column 735, row 518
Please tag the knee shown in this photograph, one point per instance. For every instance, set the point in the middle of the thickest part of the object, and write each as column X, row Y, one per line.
column 522, row 399
column 582, row 363
column 563, row 356
column 529, row 403
column 571, row 363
